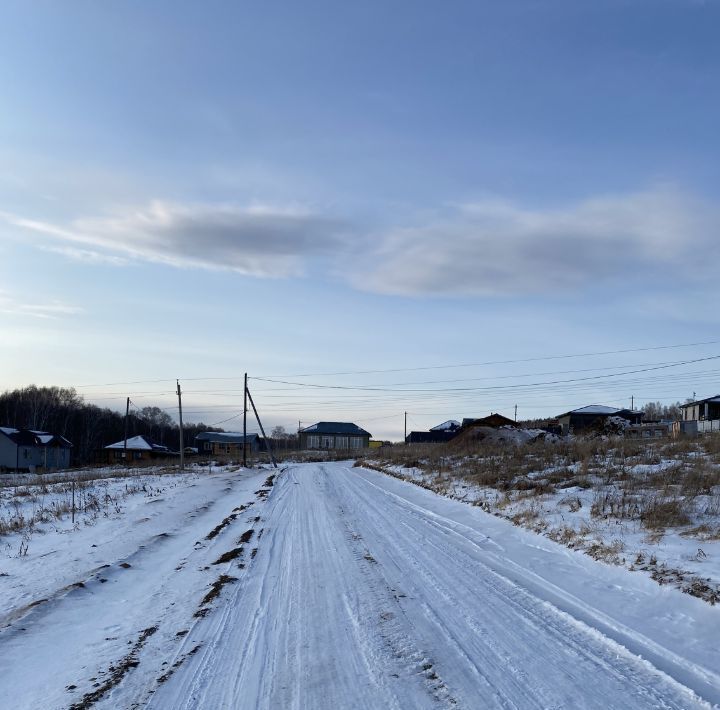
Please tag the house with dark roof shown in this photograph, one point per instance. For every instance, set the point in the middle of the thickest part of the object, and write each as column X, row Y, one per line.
column 701, row 410
column 494, row 421
column 594, row 415
column 227, row 443
column 436, row 435
column 28, row 450
column 139, row 449
column 334, row 435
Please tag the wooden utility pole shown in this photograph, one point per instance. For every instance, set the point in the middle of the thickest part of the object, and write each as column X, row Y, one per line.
column 245, row 396
column 127, row 415
column 182, row 442
column 257, row 416
column 516, row 412
column 632, row 402
column 405, row 428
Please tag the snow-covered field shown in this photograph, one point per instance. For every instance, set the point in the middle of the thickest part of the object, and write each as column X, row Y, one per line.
column 332, row 586
column 656, row 510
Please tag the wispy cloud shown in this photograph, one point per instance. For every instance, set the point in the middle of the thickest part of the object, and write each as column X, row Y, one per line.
column 87, row 256
column 490, row 247
column 499, row 248
column 257, row 240
column 12, row 305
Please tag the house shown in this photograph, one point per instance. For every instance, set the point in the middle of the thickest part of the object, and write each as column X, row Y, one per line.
column 334, row 435
column 436, row 435
column 139, row 448
column 28, row 450
column 494, row 427
column 227, row 443
column 701, row 410
column 594, row 415
column 449, row 425
column 494, row 420
column 699, row 417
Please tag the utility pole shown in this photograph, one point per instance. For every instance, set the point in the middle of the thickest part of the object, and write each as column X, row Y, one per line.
column 405, row 428
column 516, row 412
column 182, row 443
column 257, row 416
column 632, row 402
column 245, row 394
column 127, row 415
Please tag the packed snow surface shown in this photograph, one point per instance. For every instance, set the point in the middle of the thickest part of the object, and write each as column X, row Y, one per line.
column 338, row 587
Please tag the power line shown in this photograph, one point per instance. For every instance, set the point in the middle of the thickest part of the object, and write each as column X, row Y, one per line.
column 487, row 389
column 498, row 362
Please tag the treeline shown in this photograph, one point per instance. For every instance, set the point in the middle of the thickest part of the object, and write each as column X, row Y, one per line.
column 89, row 428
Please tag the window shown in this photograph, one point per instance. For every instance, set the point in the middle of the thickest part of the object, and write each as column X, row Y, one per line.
column 328, row 442
column 356, row 442
column 313, row 442
column 341, row 442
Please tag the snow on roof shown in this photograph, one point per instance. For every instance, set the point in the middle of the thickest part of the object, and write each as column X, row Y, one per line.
column 138, row 443
column 8, row 430
column 446, row 426
column 595, row 409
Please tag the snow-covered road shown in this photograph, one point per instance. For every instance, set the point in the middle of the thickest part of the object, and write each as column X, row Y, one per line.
column 351, row 589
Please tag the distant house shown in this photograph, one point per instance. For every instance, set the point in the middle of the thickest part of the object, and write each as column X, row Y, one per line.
column 449, row 425
column 436, row 435
column 27, row 450
column 139, row 449
column 701, row 410
column 334, row 435
column 594, row 415
column 494, row 420
column 227, row 443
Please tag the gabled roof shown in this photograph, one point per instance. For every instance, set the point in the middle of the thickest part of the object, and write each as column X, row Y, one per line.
column 335, row 428
column 225, row 437
column 449, row 425
column 492, row 420
column 598, row 409
column 28, row 437
column 138, row 443
column 716, row 398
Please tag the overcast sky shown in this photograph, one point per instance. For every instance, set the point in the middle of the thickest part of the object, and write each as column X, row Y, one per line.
column 198, row 189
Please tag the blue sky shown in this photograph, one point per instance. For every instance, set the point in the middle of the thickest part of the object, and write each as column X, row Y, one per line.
column 194, row 190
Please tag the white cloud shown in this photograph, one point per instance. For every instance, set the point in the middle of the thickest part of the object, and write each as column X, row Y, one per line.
column 258, row 240
column 490, row 247
column 499, row 248
column 87, row 256
column 12, row 305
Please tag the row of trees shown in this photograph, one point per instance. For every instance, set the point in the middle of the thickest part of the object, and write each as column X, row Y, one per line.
column 63, row 411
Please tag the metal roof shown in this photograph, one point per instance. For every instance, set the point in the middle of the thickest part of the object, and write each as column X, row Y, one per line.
column 28, row 437
column 335, row 428
column 138, row 443
column 716, row 398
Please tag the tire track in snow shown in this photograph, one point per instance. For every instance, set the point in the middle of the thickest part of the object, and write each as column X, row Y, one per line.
column 493, row 607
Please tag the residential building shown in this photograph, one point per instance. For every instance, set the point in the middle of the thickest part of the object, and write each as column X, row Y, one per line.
column 701, row 410
column 594, row 415
column 334, row 435
column 227, row 443
column 33, row 451
column 139, row 449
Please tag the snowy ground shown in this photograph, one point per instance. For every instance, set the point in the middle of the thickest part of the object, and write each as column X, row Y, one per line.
column 335, row 587
column 601, row 519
